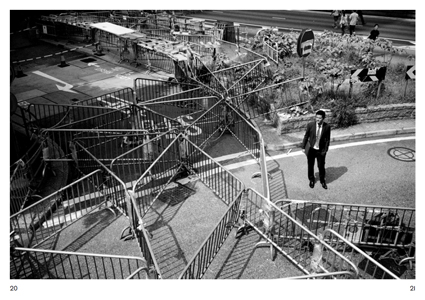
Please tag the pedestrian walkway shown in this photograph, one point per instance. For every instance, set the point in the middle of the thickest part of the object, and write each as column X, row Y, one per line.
column 275, row 142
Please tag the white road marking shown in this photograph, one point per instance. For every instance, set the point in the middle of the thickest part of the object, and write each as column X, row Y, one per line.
column 297, row 153
column 279, row 18
column 66, row 88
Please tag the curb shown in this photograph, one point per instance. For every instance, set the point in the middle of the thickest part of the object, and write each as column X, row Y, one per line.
column 346, row 137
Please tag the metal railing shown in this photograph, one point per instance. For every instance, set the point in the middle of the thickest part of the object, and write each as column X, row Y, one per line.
column 148, row 89
column 19, row 186
column 333, row 275
column 49, row 216
column 200, row 262
column 147, row 188
column 125, row 202
column 271, row 51
column 368, row 267
column 283, row 233
column 257, row 101
column 52, row 264
column 212, row 174
column 131, row 164
column 363, row 225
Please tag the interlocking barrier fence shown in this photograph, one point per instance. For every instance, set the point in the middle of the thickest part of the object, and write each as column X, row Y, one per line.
column 19, row 186
column 108, row 138
column 47, row 217
column 199, row 264
column 296, row 242
column 51, row 264
column 126, row 204
column 255, row 102
column 363, row 225
column 271, row 51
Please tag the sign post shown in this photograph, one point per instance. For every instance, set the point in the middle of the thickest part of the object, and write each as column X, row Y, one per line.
column 305, row 45
column 410, row 74
column 365, row 75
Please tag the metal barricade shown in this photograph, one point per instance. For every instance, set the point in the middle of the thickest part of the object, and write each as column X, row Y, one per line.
column 162, row 33
column 206, row 129
column 212, row 174
column 333, row 275
column 130, row 165
column 148, row 89
column 141, row 235
column 148, row 187
column 363, row 225
column 95, row 16
column 49, row 216
column 271, row 51
column 239, row 79
column 258, row 101
column 368, row 267
column 155, row 59
column 51, row 264
column 246, row 133
column 200, row 262
column 19, row 186
column 283, row 233
column 188, row 103
column 55, row 115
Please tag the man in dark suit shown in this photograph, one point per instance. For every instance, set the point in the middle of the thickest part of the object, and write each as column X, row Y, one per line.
column 315, row 145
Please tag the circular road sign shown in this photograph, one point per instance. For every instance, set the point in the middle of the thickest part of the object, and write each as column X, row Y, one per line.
column 305, row 42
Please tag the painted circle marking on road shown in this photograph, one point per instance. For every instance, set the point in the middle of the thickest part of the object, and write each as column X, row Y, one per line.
column 402, row 154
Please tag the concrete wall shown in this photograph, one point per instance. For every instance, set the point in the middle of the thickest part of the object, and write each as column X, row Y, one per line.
column 364, row 115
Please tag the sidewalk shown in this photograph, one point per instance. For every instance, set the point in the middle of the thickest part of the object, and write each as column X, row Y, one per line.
column 293, row 140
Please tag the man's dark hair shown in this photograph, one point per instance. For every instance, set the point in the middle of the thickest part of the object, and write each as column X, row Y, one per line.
column 321, row 113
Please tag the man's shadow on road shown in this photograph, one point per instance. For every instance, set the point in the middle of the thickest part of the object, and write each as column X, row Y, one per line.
column 333, row 173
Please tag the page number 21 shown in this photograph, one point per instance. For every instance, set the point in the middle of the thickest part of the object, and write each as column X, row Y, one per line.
column 412, row 288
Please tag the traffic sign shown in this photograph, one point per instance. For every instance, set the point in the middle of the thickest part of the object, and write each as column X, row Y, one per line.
column 365, row 75
column 411, row 72
column 305, row 42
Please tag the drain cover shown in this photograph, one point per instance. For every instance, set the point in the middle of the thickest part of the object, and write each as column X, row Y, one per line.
column 402, row 154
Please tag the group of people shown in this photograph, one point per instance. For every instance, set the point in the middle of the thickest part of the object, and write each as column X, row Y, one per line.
column 344, row 20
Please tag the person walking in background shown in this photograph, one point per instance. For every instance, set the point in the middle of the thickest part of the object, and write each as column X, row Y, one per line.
column 360, row 13
column 335, row 14
column 343, row 23
column 374, row 33
column 353, row 22
column 315, row 145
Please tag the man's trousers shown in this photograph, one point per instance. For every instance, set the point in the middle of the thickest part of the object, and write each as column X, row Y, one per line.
column 314, row 154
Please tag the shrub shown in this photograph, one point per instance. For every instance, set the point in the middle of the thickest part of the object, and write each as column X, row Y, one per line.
column 343, row 113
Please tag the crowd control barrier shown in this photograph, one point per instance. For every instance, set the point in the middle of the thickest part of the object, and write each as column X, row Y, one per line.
column 295, row 241
column 199, row 264
column 50, row 264
column 363, row 225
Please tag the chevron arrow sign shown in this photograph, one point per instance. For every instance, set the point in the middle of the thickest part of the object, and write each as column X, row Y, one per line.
column 411, row 72
column 365, row 75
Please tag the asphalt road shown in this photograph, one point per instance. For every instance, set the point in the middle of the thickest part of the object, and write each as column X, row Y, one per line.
column 358, row 173
column 400, row 31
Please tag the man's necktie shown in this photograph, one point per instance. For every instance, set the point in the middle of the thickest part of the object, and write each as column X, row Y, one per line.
column 317, row 136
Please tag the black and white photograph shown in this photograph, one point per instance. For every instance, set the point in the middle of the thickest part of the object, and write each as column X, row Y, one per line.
column 230, row 143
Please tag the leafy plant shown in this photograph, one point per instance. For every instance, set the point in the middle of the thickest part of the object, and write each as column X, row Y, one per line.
column 343, row 113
